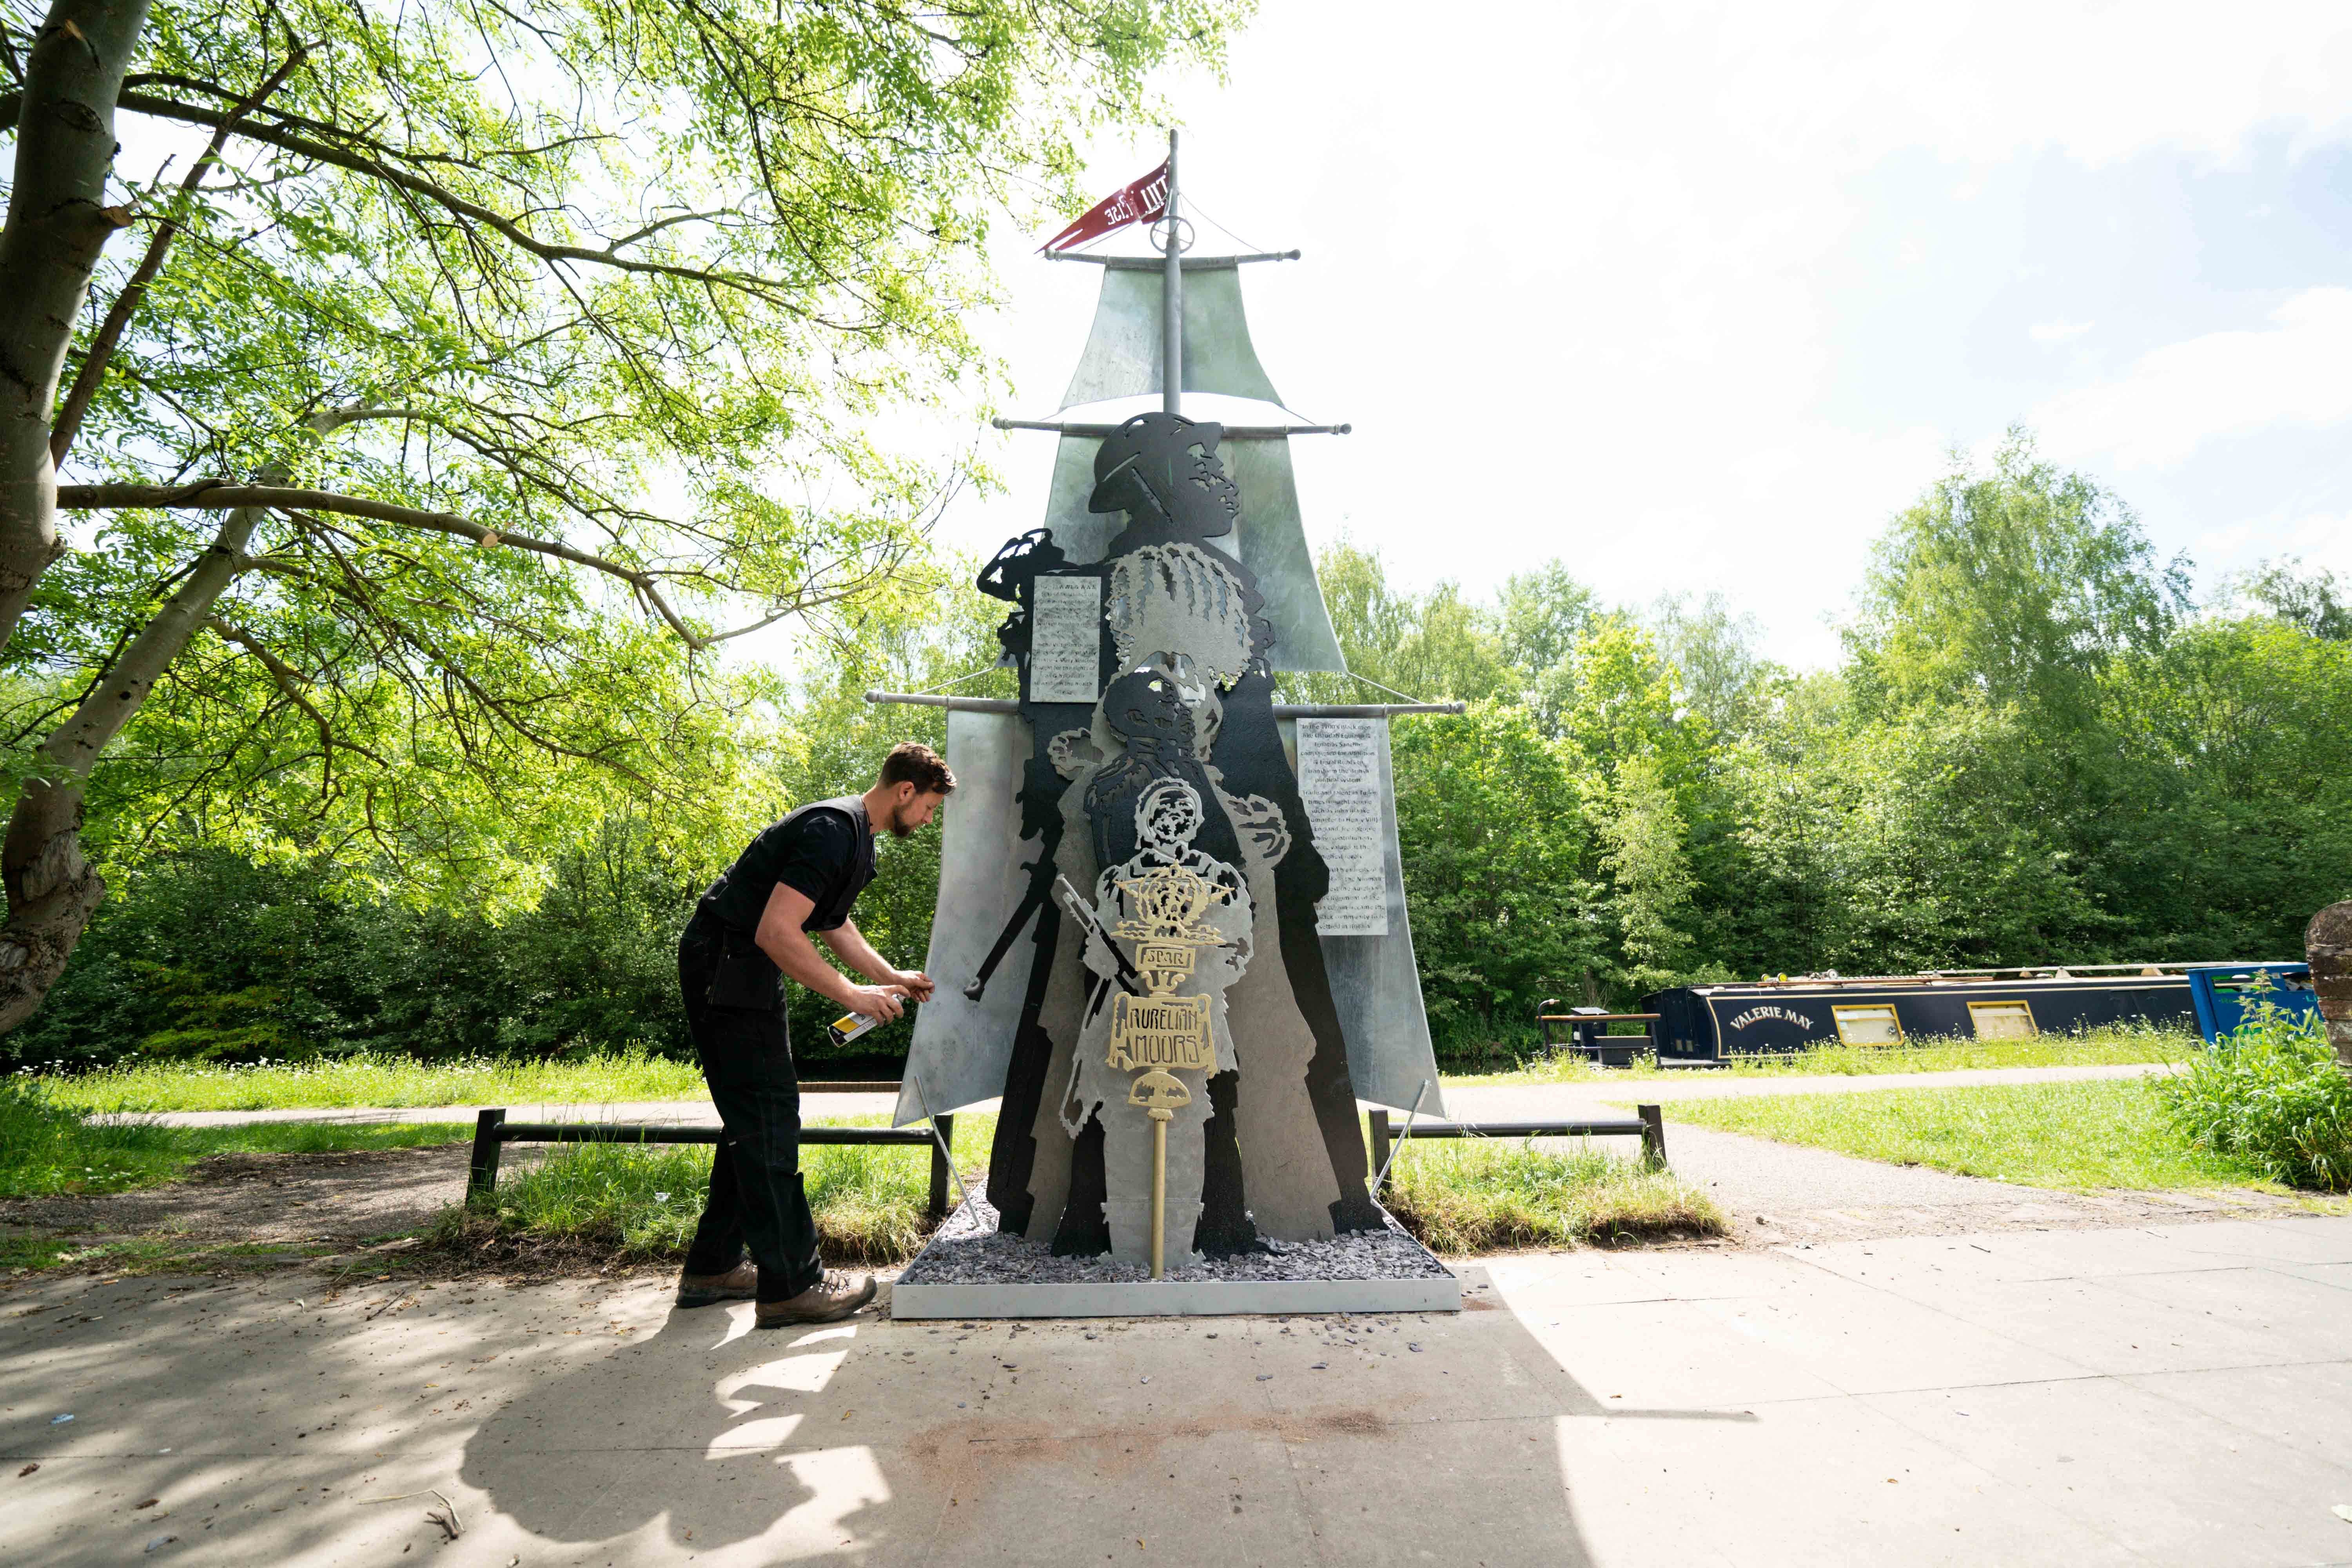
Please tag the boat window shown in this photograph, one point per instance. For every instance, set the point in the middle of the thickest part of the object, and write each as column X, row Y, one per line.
column 2003, row 1020
column 1869, row 1025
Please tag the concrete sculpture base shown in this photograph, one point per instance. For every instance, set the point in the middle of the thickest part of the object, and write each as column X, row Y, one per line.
column 970, row 1269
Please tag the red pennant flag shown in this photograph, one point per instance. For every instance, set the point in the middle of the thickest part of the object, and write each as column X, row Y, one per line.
column 1141, row 202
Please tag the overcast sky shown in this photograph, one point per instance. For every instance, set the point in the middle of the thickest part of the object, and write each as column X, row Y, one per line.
column 1698, row 298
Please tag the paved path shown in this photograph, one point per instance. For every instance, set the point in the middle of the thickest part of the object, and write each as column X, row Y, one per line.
column 1530, row 1101
column 2178, row 1394
column 1490, row 1102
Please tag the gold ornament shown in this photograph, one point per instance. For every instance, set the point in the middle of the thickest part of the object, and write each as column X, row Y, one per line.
column 1158, row 1034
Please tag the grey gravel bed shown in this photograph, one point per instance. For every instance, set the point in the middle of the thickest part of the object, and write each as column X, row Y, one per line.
column 970, row 1250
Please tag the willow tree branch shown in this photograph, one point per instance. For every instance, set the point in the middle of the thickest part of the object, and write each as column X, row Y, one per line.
column 118, row 316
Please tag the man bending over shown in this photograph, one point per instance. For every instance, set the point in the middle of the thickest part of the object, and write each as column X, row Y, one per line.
column 750, row 929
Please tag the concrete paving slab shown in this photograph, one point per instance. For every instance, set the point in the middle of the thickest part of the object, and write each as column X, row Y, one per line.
column 2303, row 1318
column 2111, row 1456
column 2103, row 1330
column 1220, row 1495
column 1669, row 1355
column 1813, row 1482
column 2286, row 1240
column 1374, row 1499
column 1711, row 1420
column 2297, row 1405
column 1860, row 1341
column 2339, row 1275
column 2025, row 1256
column 1575, row 1279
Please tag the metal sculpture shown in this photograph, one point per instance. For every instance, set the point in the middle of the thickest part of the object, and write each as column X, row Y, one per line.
column 1150, row 1106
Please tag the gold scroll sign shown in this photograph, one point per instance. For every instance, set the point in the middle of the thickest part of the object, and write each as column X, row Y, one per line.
column 1160, row 1032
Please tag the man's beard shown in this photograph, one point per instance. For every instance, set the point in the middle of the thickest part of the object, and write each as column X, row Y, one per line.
column 898, row 828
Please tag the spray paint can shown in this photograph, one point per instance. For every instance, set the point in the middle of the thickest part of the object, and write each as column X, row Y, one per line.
column 849, row 1025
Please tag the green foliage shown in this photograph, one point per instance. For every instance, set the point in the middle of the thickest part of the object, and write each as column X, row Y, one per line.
column 1655, row 805
column 2011, row 588
column 2271, row 1096
column 1495, row 870
column 205, row 956
column 629, row 284
column 2310, row 601
column 2031, row 755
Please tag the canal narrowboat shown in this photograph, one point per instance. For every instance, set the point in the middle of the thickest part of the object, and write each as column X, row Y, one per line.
column 1715, row 1023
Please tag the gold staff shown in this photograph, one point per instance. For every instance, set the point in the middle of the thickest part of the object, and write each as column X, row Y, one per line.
column 1159, row 1030
column 1161, row 1095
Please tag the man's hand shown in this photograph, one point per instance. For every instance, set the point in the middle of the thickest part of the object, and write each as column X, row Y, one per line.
column 913, row 982
column 881, row 1001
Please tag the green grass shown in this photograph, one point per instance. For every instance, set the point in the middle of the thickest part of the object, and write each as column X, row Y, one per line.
column 2120, row 1046
column 375, row 1081
column 638, row 1204
column 1487, row 1195
column 2114, row 1134
column 47, row 1148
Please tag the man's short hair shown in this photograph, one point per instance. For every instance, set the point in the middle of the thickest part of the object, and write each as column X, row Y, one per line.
column 911, row 762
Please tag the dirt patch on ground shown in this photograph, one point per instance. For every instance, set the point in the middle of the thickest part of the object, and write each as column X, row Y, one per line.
column 280, row 1198
column 328, row 1205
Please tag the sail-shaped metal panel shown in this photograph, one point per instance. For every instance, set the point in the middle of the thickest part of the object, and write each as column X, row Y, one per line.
column 1270, row 540
column 962, row 1048
column 1375, row 981
column 1122, row 356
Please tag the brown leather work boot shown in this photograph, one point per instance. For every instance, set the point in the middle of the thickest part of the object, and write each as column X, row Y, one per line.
column 830, row 1299
column 741, row 1283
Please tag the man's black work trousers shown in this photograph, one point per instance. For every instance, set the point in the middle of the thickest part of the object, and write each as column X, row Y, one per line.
column 756, row 1199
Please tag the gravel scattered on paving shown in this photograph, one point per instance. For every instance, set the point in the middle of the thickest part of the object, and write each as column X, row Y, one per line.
column 969, row 1249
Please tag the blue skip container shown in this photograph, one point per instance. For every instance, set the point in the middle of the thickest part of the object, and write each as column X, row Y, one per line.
column 2222, row 992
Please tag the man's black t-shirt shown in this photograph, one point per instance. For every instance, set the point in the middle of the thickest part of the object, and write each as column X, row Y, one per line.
column 824, row 852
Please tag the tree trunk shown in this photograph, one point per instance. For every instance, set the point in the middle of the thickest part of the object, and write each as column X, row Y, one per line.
column 52, row 890
column 58, row 223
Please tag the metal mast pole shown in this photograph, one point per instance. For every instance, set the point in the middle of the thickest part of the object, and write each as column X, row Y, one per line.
column 1171, row 303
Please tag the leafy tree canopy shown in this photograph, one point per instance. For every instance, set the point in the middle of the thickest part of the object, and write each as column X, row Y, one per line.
column 461, row 381
column 2013, row 585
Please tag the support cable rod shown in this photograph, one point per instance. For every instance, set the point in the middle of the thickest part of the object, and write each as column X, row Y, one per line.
column 1281, row 710
column 1154, row 263
column 1232, row 432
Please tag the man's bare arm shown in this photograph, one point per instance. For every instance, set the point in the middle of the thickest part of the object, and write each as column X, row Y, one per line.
column 855, row 950
column 780, row 936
